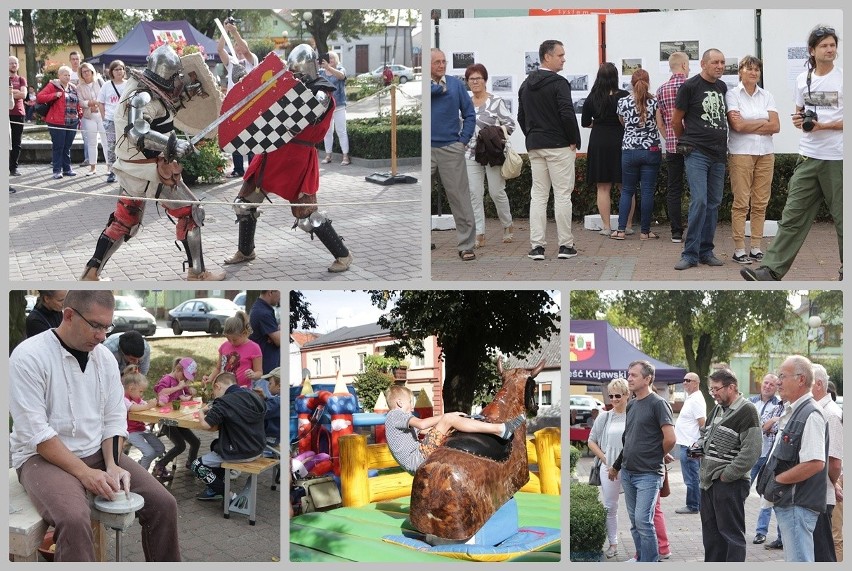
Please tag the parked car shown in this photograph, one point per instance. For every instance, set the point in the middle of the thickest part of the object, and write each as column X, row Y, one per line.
column 583, row 405
column 129, row 315
column 203, row 314
column 240, row 300
column 402, row 72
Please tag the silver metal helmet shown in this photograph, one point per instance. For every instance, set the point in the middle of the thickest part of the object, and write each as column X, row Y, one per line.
column 303, row 61
column 164, row 67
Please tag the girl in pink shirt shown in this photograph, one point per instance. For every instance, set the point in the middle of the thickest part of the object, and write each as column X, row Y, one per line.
column 171, row 387
column 239, row 355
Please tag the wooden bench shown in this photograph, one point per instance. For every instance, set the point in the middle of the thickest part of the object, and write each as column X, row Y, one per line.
column 27, row 528
column 248, row 495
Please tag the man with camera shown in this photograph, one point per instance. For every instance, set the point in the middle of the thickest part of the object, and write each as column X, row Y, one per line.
column 730, row 443
column 818, row 174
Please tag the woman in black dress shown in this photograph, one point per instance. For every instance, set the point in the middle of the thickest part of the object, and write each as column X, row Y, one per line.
column 47, row 312
column 603, row 166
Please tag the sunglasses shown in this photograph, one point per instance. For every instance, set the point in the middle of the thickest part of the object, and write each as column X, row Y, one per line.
column 615, row 396
column 823, row 31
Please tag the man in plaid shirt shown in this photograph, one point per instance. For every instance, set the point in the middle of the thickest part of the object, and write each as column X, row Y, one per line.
column 666, row 94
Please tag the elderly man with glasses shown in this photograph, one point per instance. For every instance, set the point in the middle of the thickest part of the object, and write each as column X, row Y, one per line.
column 688, row 427
column 731, row 445
column 769, row 409
column 70, row 422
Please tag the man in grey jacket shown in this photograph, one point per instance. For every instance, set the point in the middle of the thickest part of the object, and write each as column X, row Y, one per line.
column 731, row 445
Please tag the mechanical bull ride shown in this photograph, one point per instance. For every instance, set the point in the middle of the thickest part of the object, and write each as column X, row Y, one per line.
column 463, row 483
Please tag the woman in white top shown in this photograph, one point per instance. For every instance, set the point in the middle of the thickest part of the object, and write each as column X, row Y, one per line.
column 490, row 110
column 88, row 89
column 605, row 443
column 108, row 99
column 753, row 118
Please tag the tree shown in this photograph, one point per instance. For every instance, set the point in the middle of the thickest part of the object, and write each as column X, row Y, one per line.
column 713, row 324
column 56, row 28
column 470, row 327
column 17, row 318
column 348, row 24
column 205, row 20
column 585, row 304
column 375, row 379
column 300, row 312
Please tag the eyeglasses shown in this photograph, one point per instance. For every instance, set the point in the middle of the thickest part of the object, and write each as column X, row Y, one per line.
column 469, row 79
column 615, row 396
column 782, row 375
column 95, row 326
column 690, row 380
column 823, row 31
column 717, row 389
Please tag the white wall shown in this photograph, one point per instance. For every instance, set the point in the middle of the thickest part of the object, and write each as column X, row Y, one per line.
column 500, row 44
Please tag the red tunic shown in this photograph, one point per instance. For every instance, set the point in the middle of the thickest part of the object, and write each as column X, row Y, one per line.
column 293, row 168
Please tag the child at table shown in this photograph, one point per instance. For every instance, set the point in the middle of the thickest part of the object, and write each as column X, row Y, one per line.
column 238, row 354
column 238, row 415
column 402, row 429
column 173, row 386
column 148, row 444
column 272, row 419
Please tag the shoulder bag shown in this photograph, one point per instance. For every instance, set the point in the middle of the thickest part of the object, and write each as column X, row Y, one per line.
column 595, row 474
column 512, row 166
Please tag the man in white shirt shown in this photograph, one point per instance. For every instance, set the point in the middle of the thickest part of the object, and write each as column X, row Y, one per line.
column 818, row 175
column 70, row 422
column 687, row 432
column 824, row 548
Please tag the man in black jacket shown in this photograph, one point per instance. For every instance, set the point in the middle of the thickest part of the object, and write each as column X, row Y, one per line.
column 237, row 414
column 547, row 119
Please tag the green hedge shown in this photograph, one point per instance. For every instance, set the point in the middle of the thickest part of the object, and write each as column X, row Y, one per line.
column 370, row 138
column 584, row 199
column 587, row 525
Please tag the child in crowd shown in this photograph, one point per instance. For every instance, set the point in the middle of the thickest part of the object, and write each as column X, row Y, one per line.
column 239, row 355
column 148, row 444
column 272, row 420
column 402, row 427
column 173, row 386
column 238, row 415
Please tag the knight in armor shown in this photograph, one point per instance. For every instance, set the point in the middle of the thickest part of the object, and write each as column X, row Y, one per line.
column 147, row 153
column 292, row 172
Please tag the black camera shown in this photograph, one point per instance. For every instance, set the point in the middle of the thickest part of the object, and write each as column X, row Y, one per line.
column 695, row 451
column 232, row 20
column 808, row 117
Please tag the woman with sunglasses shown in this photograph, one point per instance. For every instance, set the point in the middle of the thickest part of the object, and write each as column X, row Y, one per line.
column 605, row 443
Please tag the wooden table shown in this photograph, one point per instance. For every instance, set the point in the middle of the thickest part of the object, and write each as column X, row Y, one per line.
column 183, row 418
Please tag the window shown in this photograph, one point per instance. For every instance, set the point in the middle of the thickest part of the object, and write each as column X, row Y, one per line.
column 456, row 13
column 417, row 361
column 545, row 395
column 335, row 361
column 361, row 359
column 317, row 367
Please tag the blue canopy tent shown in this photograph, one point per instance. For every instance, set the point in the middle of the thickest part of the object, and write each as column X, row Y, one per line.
column 598, row 354
column 133, row 49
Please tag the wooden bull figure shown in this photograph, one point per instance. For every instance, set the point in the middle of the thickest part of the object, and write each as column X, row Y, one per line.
column 462, row 483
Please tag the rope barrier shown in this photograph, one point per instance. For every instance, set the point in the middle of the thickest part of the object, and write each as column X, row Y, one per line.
column 282, row 204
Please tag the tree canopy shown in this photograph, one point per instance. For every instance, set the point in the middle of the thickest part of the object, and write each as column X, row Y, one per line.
column 346, row 24
column 300, row 312
column 470, row 327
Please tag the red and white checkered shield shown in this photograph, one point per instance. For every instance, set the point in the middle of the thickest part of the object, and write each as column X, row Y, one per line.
column 272, row 117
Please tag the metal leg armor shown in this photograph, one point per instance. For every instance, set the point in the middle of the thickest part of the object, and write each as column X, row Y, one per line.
column 318, row 224
column 123, row 224
column 247, row 215
column 189, row 218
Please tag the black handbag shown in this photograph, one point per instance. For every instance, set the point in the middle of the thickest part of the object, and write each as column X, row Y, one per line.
column 595, row 474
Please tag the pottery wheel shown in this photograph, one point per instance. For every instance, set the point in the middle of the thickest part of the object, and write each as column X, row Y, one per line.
column 121, row 504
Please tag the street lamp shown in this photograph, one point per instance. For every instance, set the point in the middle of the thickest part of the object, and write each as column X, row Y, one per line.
column 814, row 323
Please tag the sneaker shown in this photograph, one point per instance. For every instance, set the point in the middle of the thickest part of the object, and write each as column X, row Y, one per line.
column 69, row 173
column 162, row 473
column 684, row 264
column 761, row 274
column 235, row 174
column 536, row 253
column 233, row 474
column 759, row 538
column 15, row 173
column 566, row 252
column 774, row 545
column 340, row 264
column 111, row 177
column 756, row 255
column 209, row 495
column 611, row 552
column 712, row 261
column 57, row 175
column 631, row 560
column 510, row 426
column 685, row 510
column 239, row 258
column 741, row 258
column 677, row 237
column 664, row 556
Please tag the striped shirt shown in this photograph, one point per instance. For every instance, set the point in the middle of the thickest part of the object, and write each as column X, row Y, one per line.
column 666, row 95
column 402, row 440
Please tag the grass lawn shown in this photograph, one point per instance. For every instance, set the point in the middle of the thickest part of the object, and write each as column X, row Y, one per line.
column 164, row 351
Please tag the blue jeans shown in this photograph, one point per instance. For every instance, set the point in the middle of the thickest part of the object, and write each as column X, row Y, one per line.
column 639, row 168
column 239, row 167
column 61, row 138
column 689, row 470
column 706, row 179
column 797, row 524
column 640, row 497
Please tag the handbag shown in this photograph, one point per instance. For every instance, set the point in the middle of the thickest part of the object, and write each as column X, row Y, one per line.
column 595, row 474
column 512, row 165
column 41, row 109
column 665, row 491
